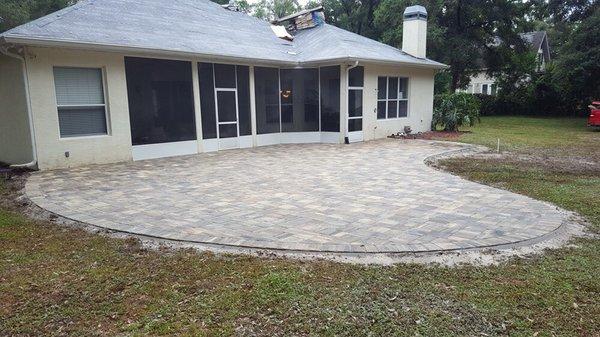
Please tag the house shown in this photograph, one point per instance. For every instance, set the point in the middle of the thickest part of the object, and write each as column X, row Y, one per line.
column 118, row 80
column 481, row 83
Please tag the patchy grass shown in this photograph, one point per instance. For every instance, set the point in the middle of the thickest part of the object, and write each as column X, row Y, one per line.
column 531, row 133
column 556, row 160
column 60, row 281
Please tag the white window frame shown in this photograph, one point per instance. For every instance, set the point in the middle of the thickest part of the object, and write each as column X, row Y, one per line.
column 105, row 106
column 397, row 99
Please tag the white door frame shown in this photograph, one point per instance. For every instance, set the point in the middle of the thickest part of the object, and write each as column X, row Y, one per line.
column 354, row 136
column 230, row 142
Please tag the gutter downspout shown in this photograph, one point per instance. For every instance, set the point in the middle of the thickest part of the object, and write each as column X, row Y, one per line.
column 32, row 165
column 346, row 139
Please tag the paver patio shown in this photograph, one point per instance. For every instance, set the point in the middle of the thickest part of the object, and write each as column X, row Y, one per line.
column 366, row 197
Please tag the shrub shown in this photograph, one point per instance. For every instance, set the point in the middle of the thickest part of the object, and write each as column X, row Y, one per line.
column 454, row 110
column 540, row 96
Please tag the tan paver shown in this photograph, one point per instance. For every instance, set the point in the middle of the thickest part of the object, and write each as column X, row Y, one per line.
column 367, row 197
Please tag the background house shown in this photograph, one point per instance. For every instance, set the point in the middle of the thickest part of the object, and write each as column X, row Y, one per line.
column 481, row 83
column 116, row 80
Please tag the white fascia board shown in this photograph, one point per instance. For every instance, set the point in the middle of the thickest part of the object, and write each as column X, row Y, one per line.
column 194, row 56
column 138, row 50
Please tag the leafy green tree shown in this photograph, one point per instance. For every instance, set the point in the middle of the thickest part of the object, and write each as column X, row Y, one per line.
column 461, row 33
column 577, row 69
column 273, row 9
column 17, row 12
column 560, row 17
column 354, row 15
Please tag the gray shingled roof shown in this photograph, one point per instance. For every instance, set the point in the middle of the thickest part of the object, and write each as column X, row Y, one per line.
column 537, row 40
column 197, row 28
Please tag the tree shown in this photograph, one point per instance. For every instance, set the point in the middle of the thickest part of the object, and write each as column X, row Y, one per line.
column 274, row 9
column 461, row 33
column 577, row 70
column 354, row 15
column 17, row 12
column 560, row 17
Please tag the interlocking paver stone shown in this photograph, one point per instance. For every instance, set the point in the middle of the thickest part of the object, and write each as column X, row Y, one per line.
column 368, row 197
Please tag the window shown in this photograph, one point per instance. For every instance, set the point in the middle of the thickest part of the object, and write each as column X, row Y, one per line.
column 392, row 97
column 330, row 98
column 80, row 101
column 161, row 104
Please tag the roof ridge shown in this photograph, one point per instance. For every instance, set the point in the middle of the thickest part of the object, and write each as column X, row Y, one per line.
column 380, row 43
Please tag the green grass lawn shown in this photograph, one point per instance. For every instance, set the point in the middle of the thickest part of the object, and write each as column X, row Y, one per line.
column 61, row 281
column 529, row 134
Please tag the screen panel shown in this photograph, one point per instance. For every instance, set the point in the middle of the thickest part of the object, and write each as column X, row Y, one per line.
column 355, row 104
column 161, row 106
column 226, row 106
column 266, row 81
column 243, row 87
column 330, row 98
column 356, row 76
column 207, row 100
column 299, row 100
column 225, row 76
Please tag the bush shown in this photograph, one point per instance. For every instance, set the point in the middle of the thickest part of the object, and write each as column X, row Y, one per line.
column 540, row 96
column 516, row 103
column 454, row 110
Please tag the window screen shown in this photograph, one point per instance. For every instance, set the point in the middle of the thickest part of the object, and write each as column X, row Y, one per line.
column 299, row 100
column 266, row 81
column 392, row 97
column 80, row 101
column 161, row 105
column 356, row 76
column 207, row 100
column 330, row 99
column 243, row 88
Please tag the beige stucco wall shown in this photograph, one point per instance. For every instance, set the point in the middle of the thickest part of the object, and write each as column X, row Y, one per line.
column 15, row 139
column 420, row 101
column 414, row 37
column 114, row 147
